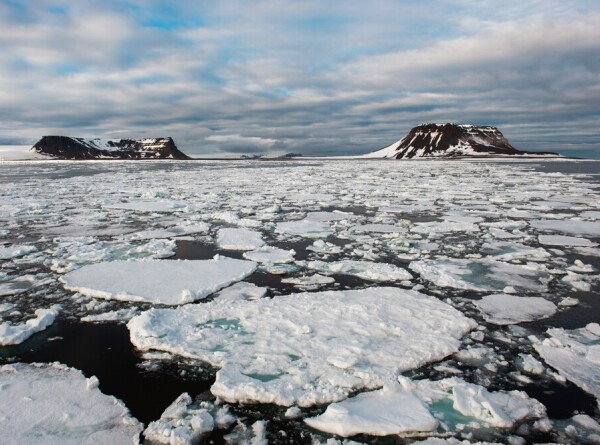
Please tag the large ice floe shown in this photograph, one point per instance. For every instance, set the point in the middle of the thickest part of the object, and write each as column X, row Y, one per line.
column 54, row 404
column 509, row 309
column 366, row 270
column 575, row 354
column 162, row 282
column 308, row 348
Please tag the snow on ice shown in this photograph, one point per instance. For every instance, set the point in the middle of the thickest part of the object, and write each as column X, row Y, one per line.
column 161, row 282
column 54, row 404
column 508, row 309
column 291, row 350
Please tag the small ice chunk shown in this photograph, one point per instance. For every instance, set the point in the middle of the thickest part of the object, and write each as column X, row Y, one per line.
column 239, row 239
column 14, row 334
column 305, row 228
column 15, row 251
column 568, row 301
column 366, row 270
column 180, row 424
column 242, row 291
column 270, row 255
column 379, row 228
column 390, row 410
column 508, row 309
column 320, row 246
column 529, row 364
column 163, row 282
column 118, row 315
column 293, row 412
column 54, row 404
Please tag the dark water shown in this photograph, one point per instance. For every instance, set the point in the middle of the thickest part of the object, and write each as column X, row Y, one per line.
column 104, row 350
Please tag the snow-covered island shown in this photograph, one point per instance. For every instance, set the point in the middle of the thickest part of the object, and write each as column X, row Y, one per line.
column 65, row 147
column 451, row 141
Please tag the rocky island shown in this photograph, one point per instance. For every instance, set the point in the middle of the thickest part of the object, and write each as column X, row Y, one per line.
column 65, row 147
column 452, row 141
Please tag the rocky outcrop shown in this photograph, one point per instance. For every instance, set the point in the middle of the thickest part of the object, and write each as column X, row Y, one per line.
column 64, row 147
column 451, row 140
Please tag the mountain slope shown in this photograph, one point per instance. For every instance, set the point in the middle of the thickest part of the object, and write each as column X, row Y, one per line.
column 64, row 147
column 451, row 140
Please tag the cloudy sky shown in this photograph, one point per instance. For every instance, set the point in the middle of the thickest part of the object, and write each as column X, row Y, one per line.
column 312, row 77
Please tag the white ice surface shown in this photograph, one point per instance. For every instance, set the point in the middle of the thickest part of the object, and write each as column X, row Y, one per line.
column 270, row 255
column 562, row 240
column 180, row 424
column 14, row 334
column 480, row 275
column 366, row 270
column 306, row 348
column 305, row 228
column 239, row 239
column 160, row 282
column 572, row 226
column 15, row 251
column 575, row 354
column 504, row 309
column 56, row 405
column 390, row 410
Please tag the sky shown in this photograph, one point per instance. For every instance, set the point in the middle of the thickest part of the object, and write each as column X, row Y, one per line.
column 321, row 77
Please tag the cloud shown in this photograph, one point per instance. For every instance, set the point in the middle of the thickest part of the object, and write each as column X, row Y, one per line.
column 290, row 76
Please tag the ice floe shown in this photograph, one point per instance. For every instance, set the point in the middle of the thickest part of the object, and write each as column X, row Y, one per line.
column 15, row 251
column 270, row 255
column 481, row 275
column 573, row 226
column 239, row 239
column 54, row 404
column 180, row 424
column 508, row 309
column 161, row 282
column 563, row 240
column 305, row 228
column 390, row 410
column 366, row 270
column 306, row 348
column 575, row 354
column 13, row 334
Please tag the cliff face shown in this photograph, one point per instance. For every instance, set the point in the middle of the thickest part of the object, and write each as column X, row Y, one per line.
column 450, row 140
column 64, row 147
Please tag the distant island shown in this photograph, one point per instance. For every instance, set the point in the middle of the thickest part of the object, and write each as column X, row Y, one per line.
column 65, row 147
column 452, row 141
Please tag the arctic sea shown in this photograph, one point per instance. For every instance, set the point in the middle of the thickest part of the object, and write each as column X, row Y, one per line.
column 303, row 301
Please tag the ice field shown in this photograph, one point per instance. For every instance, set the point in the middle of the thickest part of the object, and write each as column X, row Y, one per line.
column 338, row 302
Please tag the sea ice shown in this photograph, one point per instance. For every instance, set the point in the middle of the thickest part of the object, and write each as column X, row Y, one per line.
column 379, row 228
column 575, row 354
column 15, row 251
column 305, row 228
column 14, row 334
column 481, row 275
column 509, row 309
column 239, row 239
column 390, row 410
column 270, row 255
column 562, row 240
column 306, row 348
column 507, row 251
column 573, row 226
column 54, row 404
column 155, row 281
column 180, row 424
column 366, row 270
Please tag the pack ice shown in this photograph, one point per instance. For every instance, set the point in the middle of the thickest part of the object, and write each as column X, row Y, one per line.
column 54, row 404
column 306, row 348
column 161, row 282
